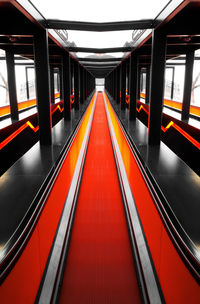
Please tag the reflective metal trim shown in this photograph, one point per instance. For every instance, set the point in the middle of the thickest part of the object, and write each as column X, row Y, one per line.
column 145, row 261
column 52, row 269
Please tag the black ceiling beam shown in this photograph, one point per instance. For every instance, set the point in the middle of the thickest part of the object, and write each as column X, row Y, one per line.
column 88, row 64
column 99, row 26
column 100, row 63
column 103, row 50
column 183, row 58
column 99, row 67
column 100, row 59
column 175, row 63
column 25, row 64
column 15, row 58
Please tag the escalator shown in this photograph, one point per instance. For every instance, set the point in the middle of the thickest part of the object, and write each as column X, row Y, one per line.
column 97, row 261
column 100, row 235
column 99, row 266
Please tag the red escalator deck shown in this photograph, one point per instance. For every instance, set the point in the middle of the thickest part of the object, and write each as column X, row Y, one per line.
column 100, row 267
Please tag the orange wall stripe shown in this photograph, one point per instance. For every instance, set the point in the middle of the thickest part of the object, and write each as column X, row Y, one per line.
column 140, row 108
column 21, row 105
column 24, row 126
column 18, row 131
column 180, row 130
column 4, row 110
column 177, row 105
column 59, row 108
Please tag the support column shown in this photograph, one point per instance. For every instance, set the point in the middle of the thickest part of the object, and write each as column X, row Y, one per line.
column 139, row 82
column 157, row 85
column 147, row 84
column 76, row 85
column 115, row 72
column 128, row 76
column 172, row 88
column 27, row 84
column 123, row 85
column 133, row 85
column 12, row 84
column 72, row 75
column 187, row 85
column 86, row 95
column 81, row 85
column 61, row 82
column 41, row 56
column 118, row 83
column 66, row 85
column 52, row 84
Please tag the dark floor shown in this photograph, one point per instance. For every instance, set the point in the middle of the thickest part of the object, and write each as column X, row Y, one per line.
column 179, row 184
column 20, row 184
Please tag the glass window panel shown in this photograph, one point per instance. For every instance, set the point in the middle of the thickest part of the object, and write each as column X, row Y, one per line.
column 100, row 55
column 168, row 82
column 20, row 83
column 195, row 95
column 179, row 74
column 104, row 11
column 100, row 39
column 31, row 83
column 4, row 96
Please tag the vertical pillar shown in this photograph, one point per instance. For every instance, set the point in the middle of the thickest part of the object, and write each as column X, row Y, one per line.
column 85, row 83
column 66, row 85
column 133, row 85
column 81, row 84
column 118, row 83
column 27, row 84
column 52, row 84
column 142, row 80
column 72, row 75
column 115, row 93
column 123, row 85
column 76, row 85
column 172, row 88
column 58, row 79
column 157, row 85
column 147, row 84
column 41, row 56
column 139, row 82
column 61, row 82
column 12, row 84
column 128, row 76
column 187, row 84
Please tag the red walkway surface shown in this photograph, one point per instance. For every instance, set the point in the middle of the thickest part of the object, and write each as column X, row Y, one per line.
column 99, row 267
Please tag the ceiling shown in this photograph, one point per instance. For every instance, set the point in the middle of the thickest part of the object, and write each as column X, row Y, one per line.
column 99, row 36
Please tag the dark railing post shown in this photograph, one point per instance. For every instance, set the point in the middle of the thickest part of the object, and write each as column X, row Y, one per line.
column 76, row 85
column 52, row 84
column 133, row 85
column 41, row 55
column 187, row 84
column 123, row 85
column 157, row 84
column 10, row 62
column 147, row 84
column 66, row 85
column 27, row 84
